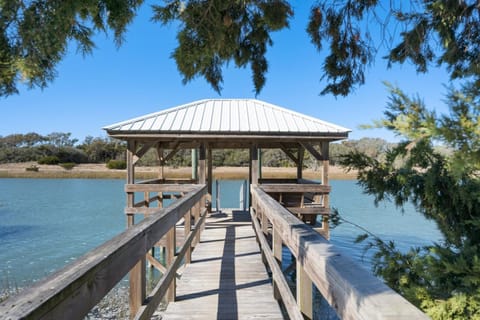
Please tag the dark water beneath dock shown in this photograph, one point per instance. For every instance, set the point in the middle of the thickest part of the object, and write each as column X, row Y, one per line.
column 46, row 223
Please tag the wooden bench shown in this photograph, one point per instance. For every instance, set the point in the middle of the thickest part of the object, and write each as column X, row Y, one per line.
column 303, row 200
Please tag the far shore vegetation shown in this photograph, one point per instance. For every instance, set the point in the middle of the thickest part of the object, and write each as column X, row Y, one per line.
column 59, row 155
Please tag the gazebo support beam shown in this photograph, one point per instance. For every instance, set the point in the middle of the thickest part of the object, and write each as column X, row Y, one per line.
column 161, row 175
column 259, row 152
column 312, row 150
column 194, row 164
column 300, row 153
column 254, row 164
column 141, row 152
column 137, row 274
column 209, row 177
column 289, row 154
column 324, row 146
column 325, row 163
column 201, row 165
column 172, row 153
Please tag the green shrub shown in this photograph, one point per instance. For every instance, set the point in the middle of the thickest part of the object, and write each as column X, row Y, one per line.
column 71, row 154
column 32, row 168
column 49, row 160
column 116, row 164
column 67, row 165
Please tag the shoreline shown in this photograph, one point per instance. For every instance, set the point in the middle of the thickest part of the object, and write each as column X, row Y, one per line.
column 100, row 171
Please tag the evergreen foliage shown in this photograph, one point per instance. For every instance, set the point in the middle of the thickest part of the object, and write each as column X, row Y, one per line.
column 49, row 160
column 212, row 33
column 117, row 164
column 67, row 165
column 34, row 35
column 216, row 32
column 443, row 279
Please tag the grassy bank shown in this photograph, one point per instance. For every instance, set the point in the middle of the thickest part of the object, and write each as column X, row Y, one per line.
column 100, row 171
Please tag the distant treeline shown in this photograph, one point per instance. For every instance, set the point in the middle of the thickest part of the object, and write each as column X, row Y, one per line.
column 59, row 147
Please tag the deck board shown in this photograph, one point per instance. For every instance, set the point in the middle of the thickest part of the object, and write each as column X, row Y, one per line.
column 226, row 279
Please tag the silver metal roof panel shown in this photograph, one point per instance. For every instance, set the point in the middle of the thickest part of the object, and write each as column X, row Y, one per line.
column 244, row 116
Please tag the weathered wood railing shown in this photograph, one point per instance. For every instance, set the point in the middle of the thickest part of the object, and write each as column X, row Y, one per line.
column 71, row 292
column 349, row 289
column 162, row 191
column 305, row 199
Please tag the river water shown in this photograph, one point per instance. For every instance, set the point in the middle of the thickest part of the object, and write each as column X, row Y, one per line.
column 47, row 223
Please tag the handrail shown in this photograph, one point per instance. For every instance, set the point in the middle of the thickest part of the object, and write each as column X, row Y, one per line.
column 172, row 187
column 167, row 181
column 352, row 291
column 291, row 307
column 295, row 188
column 72, row 291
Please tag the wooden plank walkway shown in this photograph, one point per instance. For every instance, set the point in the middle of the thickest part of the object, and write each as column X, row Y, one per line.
column 226, row 279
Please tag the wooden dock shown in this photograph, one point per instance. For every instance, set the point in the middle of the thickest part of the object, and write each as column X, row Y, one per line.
column 226, row 279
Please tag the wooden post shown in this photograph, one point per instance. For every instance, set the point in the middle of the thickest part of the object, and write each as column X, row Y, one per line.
column 325, row 163
column 201, row 165
column 209, row 177
column 160, row 174
column 131, row 146
column 202, row 179
column 300, row 153
column 254, row 164
column 259, row 152
column 146, row 198
column 325, row 181
column 170, row 255
column 217, row 196
column 194, row 164
column 253, row 169
column 243, row 196
column 196, row 215
column 304, row 291
column 187, row 227
column 264, row 223
column 138, row 273
column 277, row 254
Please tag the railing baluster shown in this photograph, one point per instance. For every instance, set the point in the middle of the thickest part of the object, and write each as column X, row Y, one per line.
column 187, row 226
column 171, row 246
column 277, row 254
column 304, row 291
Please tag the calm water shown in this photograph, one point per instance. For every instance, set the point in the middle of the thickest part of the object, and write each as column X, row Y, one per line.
column 45, row 224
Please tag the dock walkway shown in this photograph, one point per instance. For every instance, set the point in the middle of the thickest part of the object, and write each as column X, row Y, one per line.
column 226, row 279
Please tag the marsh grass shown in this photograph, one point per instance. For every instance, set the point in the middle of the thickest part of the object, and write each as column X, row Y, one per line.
column 102, row 172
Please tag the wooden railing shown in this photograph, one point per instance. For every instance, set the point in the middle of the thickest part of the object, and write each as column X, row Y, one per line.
column 349, row 289
column 71, row 292
column 162, row 192
column 304, row 198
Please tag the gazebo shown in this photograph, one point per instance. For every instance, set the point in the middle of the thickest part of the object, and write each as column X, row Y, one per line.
column 210, row 124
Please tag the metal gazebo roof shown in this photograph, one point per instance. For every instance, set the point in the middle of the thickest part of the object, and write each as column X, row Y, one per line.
column 225, row 117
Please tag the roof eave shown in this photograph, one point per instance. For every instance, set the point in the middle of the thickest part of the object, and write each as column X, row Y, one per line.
column 183, row 135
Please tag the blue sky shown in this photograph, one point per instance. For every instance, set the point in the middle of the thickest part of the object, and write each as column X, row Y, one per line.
column 113, row 85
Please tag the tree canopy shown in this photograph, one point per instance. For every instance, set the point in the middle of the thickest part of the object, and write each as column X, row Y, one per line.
column 444, row 278
column 34, row 36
